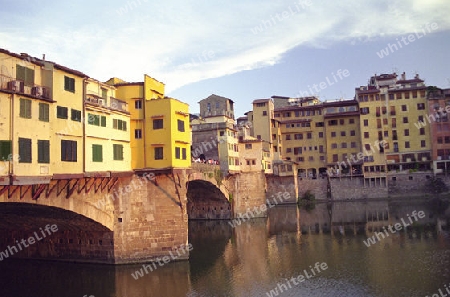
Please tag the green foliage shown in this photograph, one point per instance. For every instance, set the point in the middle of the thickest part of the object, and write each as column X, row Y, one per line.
column 308, row 196
column 307, row 201
column 436, row 185
column 218, row 176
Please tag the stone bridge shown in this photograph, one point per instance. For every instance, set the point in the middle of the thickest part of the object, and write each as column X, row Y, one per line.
column 119, row 218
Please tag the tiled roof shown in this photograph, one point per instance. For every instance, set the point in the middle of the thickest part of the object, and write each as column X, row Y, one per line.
column 41, row 62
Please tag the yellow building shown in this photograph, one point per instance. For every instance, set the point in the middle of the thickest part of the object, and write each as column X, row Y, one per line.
column 107, row 130
column 41, row 112
column 160, row 136
column 342, row 137
column 303, row 136
column 390, row 111
column 266, row 127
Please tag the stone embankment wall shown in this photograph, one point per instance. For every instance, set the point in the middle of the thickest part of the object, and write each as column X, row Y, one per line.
column 281, row 184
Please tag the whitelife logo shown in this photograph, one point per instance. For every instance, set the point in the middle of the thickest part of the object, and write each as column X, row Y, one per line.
column 380, row 235
column 24, row 243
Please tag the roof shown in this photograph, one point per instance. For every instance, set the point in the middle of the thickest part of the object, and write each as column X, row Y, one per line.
column 341, row 103
column 217, row 97
column 260, row 101
column 296, row 107
column 136, row 83
column 41, row 62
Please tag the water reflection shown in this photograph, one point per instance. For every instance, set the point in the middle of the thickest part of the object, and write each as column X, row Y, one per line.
column 258, row 255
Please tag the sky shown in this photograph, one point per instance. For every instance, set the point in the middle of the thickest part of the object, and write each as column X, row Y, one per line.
column 239, row 49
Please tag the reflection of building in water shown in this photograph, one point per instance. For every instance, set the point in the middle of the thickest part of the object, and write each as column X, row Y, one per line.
column 358, row 217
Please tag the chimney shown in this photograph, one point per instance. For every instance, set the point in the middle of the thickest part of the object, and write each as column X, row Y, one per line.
column 43, row 57
column 403, row 76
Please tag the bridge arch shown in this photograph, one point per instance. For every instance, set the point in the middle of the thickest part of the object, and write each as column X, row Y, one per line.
column 205, row 201
column 47, row 232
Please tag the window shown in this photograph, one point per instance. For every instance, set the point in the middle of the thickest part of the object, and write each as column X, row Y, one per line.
column 366, row 134
column 404, row 108
column 320, row 134
column 351, row 121
column 407, row 144
column 138, row 104
column 118, row 152
column 25, row 74
column 25, row 108
column 258, row 136
column 43, row 151
column 177, row 153
column 68, row 150
column 422, row 131
column 423, row 143
column 137, row 133
column 414, row 94
column 334, row 145
column 119, row 125
column 158, row 124
column 288, row 136
column 69, row 84
column 183, row 153
column 332, row 123
column 420, row 106
column 335, row 158
column 394, row 123
column 391, row 96
column 420, row 118
column 180, row 125
column 406, row 95
column 439, row 140
column 264, row 112
column 75, row 115
column 353, row 144
column 260, row 104
column 159, row 153
column 364, row 110
column 386, row 133
column 343, row 133
column 319, row 124
column 344, row 145
column 43, row 112
column 287, row 115
column 298, row 136
column 398, row 95
column 352, row 133
column 366, row 123
column 104, row 93
column 367, row 147
column 25, row 150
column 248, row 146
column 405, row 120
column 333, row 134
column 61, row 112
column 309, row 135
column 5, row 149
column 97, row 153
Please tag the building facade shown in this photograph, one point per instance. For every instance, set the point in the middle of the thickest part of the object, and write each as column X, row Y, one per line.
column 390, row 110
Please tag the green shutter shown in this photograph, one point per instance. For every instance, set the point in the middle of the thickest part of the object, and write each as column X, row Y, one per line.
column 43, row 151
column 20, row 72
column 97, row 153
column 5, row 149
column 103, row 121
column 124, row 126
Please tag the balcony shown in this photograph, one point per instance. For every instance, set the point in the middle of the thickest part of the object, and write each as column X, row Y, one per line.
column 118, row 104
column 20, row 87
column 114, row 103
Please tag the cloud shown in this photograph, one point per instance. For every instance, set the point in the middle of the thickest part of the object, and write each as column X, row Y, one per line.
column 168, row 40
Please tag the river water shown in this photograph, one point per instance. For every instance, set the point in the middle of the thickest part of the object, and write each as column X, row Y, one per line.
column 266, row 257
